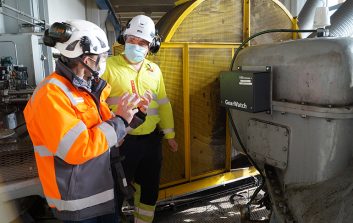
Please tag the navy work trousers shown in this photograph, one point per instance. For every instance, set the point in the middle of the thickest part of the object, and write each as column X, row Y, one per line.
column 142, row 164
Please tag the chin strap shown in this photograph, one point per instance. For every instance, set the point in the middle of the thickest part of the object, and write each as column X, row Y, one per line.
column 94, row 73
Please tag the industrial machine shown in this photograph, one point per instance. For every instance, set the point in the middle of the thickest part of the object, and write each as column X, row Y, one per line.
column 21, row 68
column 302, row 144
column 14, row 82
column 16, row 155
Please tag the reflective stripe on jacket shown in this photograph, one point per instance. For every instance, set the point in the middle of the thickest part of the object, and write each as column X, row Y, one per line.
column 124, row 78
column 71, row 139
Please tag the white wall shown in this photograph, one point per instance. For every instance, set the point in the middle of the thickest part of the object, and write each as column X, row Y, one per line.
column 293, row 6
column 62, row 10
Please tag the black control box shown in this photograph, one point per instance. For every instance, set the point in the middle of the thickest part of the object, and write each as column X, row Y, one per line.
column 249, row 91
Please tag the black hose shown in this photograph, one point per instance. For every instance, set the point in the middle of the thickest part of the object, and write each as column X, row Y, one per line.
column 249, row 157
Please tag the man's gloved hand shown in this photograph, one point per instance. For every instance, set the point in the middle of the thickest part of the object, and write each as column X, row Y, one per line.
column 138, row 119
column 126, row 107
column 140, row 116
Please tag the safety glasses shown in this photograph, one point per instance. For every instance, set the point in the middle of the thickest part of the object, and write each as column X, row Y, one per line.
column 137, row 41
column 102, row 58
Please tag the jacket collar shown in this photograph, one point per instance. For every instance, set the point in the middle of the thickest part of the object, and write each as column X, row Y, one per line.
column 66, row 72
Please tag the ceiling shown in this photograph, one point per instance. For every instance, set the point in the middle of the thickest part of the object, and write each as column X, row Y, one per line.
column 126, row 9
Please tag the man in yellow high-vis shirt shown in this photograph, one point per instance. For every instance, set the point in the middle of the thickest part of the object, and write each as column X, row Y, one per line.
column 132, row 72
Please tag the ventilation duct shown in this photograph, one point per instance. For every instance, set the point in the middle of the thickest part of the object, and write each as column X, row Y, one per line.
column 306, row 15
column 342, row 21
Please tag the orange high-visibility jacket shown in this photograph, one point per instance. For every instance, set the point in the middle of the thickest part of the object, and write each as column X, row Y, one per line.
column 72, row 132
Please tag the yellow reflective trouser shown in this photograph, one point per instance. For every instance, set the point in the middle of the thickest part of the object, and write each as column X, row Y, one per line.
column 143, row 212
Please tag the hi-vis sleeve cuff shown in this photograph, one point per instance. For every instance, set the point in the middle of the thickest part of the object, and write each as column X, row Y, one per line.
column 119, row 127
column 169, row 133
column 109, row 133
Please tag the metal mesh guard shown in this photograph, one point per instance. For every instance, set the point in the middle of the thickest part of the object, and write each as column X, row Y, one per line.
column 17, row 162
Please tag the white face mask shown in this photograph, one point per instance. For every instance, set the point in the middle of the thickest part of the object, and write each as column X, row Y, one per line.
column 101, row 68
column 135, row 53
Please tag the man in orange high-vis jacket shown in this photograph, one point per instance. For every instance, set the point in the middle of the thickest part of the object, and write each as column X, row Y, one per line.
column 142, row 147
column 72, row 129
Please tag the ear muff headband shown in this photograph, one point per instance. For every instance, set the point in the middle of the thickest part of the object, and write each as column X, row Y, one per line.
column 154, row 45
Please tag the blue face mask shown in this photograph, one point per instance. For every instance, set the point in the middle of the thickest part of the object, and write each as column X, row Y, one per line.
column 135, row 53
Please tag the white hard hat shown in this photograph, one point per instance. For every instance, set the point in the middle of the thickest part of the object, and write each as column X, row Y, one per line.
column 86, row 37
column 141, row 26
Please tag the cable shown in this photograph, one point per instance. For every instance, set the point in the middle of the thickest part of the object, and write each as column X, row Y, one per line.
column 249, row 157
column 228, row 110
column 264, row 32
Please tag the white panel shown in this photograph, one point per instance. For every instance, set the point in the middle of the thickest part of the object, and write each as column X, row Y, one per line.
column 62, row 10
column 293, row 6
column 95, row 15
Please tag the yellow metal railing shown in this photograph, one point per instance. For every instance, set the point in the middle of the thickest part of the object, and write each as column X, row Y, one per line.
column 185, row 48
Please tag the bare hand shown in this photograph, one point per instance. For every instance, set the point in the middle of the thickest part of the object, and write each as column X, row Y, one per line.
column 173, row 145
column 145, row 101
column 127, row 106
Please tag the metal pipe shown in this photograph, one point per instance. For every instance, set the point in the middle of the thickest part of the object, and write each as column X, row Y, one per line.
column 31, row 2
column 112, row 11
column 14, row 44
column 18, row 16
column 105, row 4
column 22, row 13
column 342, row 21
column 12, row 100
column 11, row 16
column 335, row 7
column 306, row 15
column 16, row 92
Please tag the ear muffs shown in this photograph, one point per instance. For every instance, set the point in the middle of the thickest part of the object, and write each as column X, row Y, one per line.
column 121, row 39
column 156, row 43
column 47, row 40
column 58, row 32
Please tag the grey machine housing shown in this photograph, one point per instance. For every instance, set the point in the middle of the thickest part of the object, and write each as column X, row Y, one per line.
column 308, row 136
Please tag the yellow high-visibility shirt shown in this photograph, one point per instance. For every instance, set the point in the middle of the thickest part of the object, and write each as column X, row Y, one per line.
column 124, row 78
